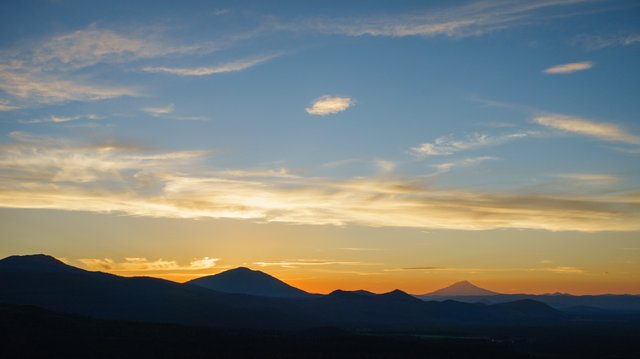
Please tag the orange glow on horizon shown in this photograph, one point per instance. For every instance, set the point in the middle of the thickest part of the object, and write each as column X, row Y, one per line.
column 383, row 284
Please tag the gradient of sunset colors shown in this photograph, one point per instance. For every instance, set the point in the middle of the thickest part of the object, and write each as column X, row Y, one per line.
column 352, row 144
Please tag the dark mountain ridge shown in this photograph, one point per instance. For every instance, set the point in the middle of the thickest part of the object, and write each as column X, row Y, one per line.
column 59, row 287
column 468, row 293
column 35, row 263
column 50, row 284
column 243, row 280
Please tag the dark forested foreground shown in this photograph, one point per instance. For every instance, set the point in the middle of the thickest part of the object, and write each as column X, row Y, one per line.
column 52, row 310
column 31, row 332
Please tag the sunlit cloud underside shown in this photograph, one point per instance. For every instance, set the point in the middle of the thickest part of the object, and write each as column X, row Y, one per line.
column 49, row 173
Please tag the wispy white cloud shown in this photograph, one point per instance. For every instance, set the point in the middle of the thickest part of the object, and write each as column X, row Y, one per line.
column 598, row 179
column 47, row 72
column 93, row 45
column 471, row 19
column 61, row 119
column 159, row 111
column 137, row 264
column 630, row 40
column 168, row 113
column 55, row 160
column 442, row 168
column 569, row 68
column 6, row 106
column 233, row 66
column 447, row 145
column 304, row 263
column 597, row 42
column 220, row 12
column 50, row 173
column 328, row 105
column 30, row 88
column 600, row 130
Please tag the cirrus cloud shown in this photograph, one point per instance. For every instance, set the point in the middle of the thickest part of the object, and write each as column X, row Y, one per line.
column 92, row 45
column 600, row 130
column 46, row 89
column 159, row 111
column 447, row 145
column 62, row 119
column 304, row 263
column 233, row 66
column 47, row 72
column 569, row 68
column 471, row 19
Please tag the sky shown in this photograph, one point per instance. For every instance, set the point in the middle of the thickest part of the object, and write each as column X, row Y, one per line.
column 334, row 144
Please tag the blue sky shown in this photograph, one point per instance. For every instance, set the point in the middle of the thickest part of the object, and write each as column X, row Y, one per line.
column 448, row 116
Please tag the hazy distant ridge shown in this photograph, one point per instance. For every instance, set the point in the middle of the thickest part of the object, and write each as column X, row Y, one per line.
column 469, row 293
column 463, row 288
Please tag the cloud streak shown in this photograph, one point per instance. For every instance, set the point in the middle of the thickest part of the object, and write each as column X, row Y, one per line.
column 167, row 112
column 447, row 145
column 597, row 179
column 569, row 68
column 233, row 66
column 45, row 89
column 49, row 173
column 159, row 111
column 62, row 119
column 138, row 264
column 304, row 263
column 599, row 130
column 442, row 168
column 472, row 19
column 597, row 42
column 5, row 106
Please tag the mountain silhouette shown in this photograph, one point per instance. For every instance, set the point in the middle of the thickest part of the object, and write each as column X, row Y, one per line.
column 463, row 288
column 468, row 293
column 44, row 281
column 35, row 263
column 398, row 295
column 243, row 280
column 48, row 283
